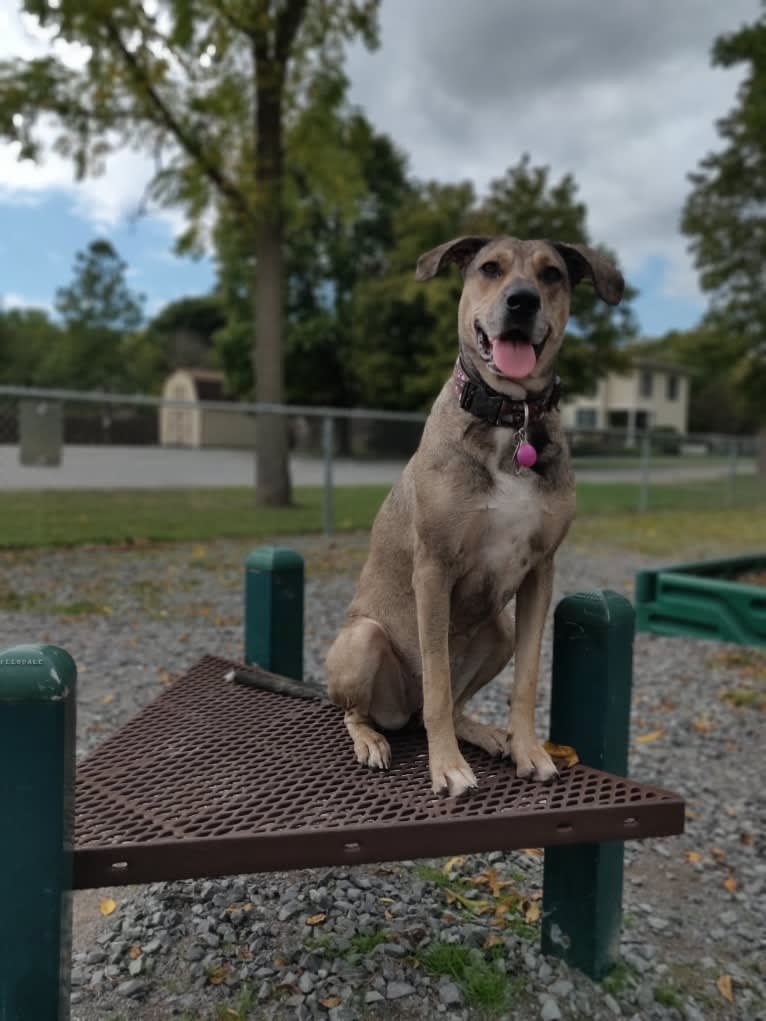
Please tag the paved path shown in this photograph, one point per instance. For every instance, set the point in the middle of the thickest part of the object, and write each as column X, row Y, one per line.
column 100, row 467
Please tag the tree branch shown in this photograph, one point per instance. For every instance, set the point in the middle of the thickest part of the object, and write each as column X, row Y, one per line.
column 288, row 23
column 184, row 138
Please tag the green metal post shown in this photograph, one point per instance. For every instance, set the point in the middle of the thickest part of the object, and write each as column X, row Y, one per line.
column 274, row 611
column 37, row 763
column 590, row 710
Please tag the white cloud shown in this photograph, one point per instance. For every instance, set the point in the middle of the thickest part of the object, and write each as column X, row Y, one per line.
column 13, row 300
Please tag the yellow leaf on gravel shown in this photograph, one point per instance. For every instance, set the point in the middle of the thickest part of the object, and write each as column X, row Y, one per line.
column 106, row 699
column 493, row 940
column 723, row 985
column 653, row 735
column 693, row 856
column 107, row 906
column 217, row 976
column 453, row 863
column 730, row 883
column 562, row 751
column 535, row 852
column 330, row 1001
column 532, row 914
column 703, row 726
column 718, row 854
column 316, row 919
column 135, row 951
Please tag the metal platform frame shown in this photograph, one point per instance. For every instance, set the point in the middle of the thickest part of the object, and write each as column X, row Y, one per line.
column 216, row 778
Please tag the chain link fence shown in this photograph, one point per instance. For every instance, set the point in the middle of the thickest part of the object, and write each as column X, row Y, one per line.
column 59, row 440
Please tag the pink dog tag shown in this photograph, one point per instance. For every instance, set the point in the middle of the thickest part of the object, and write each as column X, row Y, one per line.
column 526, row 455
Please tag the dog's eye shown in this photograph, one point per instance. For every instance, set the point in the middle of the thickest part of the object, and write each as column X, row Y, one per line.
column 551, row 275
column 491, row 269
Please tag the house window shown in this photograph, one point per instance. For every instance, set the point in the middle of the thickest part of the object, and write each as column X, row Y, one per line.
column 646, row 385
column 672, row 388
column 618, row 420
column 586, row 418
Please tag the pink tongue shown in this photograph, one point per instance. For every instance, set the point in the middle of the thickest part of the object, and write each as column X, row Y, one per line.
column 514, row 358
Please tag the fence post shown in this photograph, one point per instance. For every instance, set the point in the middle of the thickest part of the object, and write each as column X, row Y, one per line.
column 327, row 453
column 37, row 764
column 646, row 456
column 730, row 495
column 590, row 710
column 274, row 611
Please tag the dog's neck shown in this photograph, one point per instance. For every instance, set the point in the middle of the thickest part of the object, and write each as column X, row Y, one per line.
column 479, row 399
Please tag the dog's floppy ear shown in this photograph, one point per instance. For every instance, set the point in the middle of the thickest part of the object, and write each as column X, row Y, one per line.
column 459, row 250
column 587, row 262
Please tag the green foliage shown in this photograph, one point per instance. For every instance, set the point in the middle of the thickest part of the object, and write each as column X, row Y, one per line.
column 725, row 219
column 27, row 337
column 482, row 985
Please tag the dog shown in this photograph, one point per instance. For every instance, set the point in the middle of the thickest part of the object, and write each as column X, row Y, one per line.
column 472, row 522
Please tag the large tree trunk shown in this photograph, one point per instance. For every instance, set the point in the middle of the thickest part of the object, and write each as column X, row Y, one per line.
column 272, row 466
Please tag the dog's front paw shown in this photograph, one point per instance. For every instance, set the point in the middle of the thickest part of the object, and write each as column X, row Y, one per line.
column 451, row 774
column 372, row 749
column 531, row 758
column 491, row 739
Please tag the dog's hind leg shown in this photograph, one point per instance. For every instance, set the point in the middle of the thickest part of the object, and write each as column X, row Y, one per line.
column 364, row 678
column 489, row 653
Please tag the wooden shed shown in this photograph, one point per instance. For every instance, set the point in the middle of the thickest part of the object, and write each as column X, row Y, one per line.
column 202, row 426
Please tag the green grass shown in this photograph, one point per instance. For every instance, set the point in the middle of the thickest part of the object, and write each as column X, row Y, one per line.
column 606, row 514
column 668, row 997
column 482, row 985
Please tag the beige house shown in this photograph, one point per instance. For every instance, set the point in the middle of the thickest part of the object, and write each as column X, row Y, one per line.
column 201, row 426
column 654, row 393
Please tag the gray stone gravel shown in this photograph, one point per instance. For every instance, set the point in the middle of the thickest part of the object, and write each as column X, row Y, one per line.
column 242, row 947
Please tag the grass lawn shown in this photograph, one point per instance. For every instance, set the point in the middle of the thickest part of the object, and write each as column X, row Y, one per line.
column 689, row 516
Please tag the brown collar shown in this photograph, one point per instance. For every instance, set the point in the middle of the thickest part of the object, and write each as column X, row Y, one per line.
column 497, row 409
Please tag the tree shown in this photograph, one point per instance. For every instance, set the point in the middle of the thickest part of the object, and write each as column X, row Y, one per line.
column 725, row 220
column 27, row 338
column 181, row 334
column 99, row 314
column 403, row 325
column 344, row 183
column 207, row 86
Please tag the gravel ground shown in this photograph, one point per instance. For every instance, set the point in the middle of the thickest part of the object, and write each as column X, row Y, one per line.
column 408, row 940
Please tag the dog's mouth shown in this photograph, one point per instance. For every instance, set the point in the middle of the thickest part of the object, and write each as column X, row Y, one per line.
column 511, row 354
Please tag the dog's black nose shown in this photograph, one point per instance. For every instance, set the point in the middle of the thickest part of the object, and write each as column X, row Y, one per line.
column 523, row 301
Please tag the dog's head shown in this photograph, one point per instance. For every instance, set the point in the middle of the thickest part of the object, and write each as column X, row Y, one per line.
column 515, row 302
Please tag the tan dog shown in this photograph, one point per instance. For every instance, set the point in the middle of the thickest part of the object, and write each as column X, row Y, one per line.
column 467, row 527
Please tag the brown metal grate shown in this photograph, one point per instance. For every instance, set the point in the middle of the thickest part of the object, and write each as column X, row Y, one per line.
column 214, row 778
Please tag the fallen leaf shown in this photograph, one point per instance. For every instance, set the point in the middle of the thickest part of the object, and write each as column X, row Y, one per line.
column 493, row 940
column 693, row 856
column 690, row 813
column 703, row 726
column 330, row 1001
column 653, row 735
column 166, row 677
column 532, row 913
column 490, row 878
column 199, row 551
column 316, row 919
column 730, row 883
column 107, row 906
column 562, row 751
column 217, row 976
column 387, row 915
column 723, row 984
column 245, row 954
column 476, row 906
column 746, row 839
column 718, row 854
column 135, row 951
column 386, row 900
column 535, row 852
column 106, row 699
column 453, row 863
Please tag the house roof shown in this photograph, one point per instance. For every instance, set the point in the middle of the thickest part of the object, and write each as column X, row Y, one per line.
column 209, row 384
column 664, row 364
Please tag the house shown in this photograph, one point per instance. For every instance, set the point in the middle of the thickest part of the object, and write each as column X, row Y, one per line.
column 653, row 393
column 202, row 426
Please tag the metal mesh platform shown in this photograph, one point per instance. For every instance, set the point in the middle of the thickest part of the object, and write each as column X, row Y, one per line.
column 215, row 778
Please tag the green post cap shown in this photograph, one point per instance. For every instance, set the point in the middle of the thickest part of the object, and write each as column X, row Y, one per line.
column 274, row 558
column 36, row 673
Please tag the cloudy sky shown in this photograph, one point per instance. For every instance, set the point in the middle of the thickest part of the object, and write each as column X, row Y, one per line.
column 620, row 94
